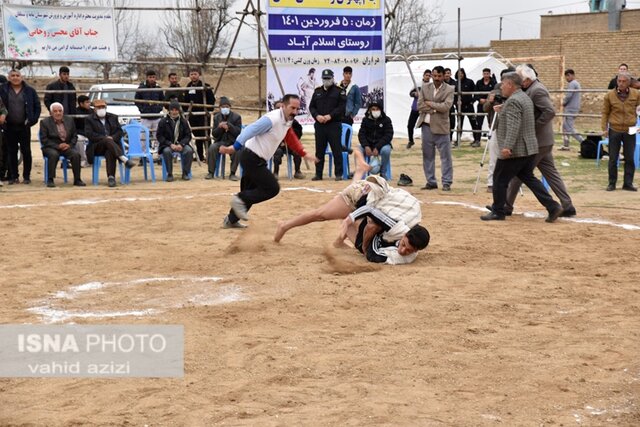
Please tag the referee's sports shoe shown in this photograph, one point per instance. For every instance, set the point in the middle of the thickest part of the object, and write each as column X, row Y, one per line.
column 239, row 208
column 228, row 224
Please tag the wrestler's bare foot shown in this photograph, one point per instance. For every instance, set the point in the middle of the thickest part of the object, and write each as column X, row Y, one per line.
column 339, row 243
column 362, row 167
column 280, row 230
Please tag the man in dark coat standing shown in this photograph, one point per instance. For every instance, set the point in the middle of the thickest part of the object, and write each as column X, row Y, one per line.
column 68, row 100
column 23, row 106
column 200, row 115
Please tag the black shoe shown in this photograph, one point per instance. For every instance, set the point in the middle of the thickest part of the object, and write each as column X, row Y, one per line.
column 568, row 212
column 492, row 216
column 554, row 215
column 410, row 144
column 129, row 164
column 51, row 184
column 112, row 181
column 316, row 178
column 14, row 181
column 629, row 188
column 26, row 181
column 430, row 187
column 298, row 175
column 611, row 187
column 209, row 176
column 506, row 211
column 446, row 187
column 475, row 144
column 79, row 183
column 170, row 178
column 185, row 177
column 339, row 178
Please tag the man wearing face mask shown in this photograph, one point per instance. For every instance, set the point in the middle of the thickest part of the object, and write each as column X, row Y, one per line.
column 227, row 125
column 104, row 133
column 260, row 141
column 327, row 107
column 174, row 135
column 376, row 134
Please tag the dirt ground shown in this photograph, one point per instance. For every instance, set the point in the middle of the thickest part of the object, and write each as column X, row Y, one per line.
column 517, row 323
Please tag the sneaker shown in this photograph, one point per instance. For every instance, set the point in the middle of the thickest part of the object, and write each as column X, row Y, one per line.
column 228, row 224
column 298, row 175
column 111, row 181
column 430, row 186
column 51, row 184
column 209, row 176
column 233, row 177
column 169, row 178
column 84, row 164
column 446, row 187
column 239, row 208
column 79, row 183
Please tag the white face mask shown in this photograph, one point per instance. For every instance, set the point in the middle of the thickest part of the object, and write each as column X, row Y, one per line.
column 101, row 112
column 225, row 111
column 376, row 114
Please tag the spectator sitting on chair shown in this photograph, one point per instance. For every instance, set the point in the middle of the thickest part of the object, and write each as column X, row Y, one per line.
column 104, row 133
column 376, row 134
column 277, row 156
column 227, row 125
column 174, row 135
column 84, row 109
column 58, row 136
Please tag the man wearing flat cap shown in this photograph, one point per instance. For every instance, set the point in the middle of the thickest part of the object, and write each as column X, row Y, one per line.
column 227, row 125
column 327, row 107
column 174, row 135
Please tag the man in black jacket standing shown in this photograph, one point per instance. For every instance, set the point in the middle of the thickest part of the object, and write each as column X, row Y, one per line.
column 23, row 106
column 327, row 108
column 68, row 100
column 485, row 84
column 150, row 122
column 104, row 134
column 200, row 118
column 467, row 85
column 174, row 135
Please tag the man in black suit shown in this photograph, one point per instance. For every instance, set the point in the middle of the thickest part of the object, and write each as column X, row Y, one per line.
column 58, row 137
column 104, row 133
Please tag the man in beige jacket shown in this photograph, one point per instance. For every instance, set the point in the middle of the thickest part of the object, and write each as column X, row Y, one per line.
column 435, row 98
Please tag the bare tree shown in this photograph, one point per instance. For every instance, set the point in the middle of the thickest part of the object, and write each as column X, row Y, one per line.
column 411, row 26
column 195, row 36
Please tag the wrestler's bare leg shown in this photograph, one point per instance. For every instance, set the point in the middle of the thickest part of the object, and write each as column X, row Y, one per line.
column 335, row 208
column 362, row 167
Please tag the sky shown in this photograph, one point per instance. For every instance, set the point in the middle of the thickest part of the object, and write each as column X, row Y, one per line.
column 480, row 20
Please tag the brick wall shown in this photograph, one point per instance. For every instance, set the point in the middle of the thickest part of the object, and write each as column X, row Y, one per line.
column 557, row 25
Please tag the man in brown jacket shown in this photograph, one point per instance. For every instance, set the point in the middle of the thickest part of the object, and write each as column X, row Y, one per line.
column 619, row 113
column 435, row 98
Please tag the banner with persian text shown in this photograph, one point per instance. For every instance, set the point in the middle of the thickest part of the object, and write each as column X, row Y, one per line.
column 308, row 36
column 60, row 33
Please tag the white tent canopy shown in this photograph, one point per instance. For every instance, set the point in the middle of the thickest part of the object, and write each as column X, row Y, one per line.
column 399, row 84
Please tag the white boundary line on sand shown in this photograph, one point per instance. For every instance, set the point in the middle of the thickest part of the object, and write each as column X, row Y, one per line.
column 48, row 312
column 87, row 202
column 540, row 215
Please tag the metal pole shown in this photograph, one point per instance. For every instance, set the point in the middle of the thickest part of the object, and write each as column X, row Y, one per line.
column 233, row 44
column 500, row 34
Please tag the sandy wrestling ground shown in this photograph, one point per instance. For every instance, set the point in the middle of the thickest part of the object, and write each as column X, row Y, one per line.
column 515, row 323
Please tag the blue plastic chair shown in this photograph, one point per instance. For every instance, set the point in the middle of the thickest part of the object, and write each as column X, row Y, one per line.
column 220, row 164
column 345, row 141
column 164, row 165
column 602, row 143
column 97, row 160
column 138, row 149
column 63, row 159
